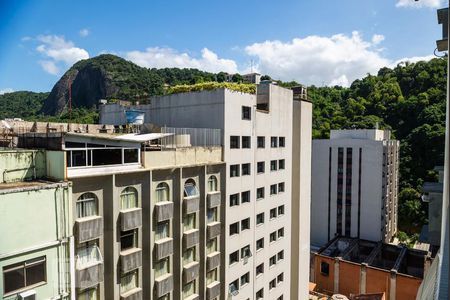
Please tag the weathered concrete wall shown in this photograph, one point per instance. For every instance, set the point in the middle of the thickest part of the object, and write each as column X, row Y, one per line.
column 19, row 165
column 56, row 164
column 182, row 157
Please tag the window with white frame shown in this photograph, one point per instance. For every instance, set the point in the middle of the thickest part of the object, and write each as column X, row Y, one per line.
column 24, row 274
column 190, row 188
column 162, row 230
column 129, row 198
column 87, row 205
column 212, row 184
column 162, row 192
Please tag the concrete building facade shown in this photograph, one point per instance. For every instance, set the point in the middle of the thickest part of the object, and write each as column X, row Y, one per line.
column 354, row 186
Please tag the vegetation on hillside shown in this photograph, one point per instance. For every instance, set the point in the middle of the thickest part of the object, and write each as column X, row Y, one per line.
column 21, row 104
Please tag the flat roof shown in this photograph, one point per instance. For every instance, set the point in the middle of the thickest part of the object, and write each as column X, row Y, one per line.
column 27, row 185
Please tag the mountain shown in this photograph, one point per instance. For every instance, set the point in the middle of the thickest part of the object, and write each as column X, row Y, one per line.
column 111, row 77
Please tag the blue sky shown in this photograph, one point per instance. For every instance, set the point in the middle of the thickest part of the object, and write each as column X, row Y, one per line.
column 318, row 42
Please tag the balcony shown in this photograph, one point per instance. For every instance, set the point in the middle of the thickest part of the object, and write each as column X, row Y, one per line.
column 191, row 238
column 191, row 204
column 163, row 211
column 212, row 261
column 134, row 294
column 190, row 271
column 212, row 230
column 212, row 290
column 89, row 228
column 130, row 259
column 89, row 268
column 213, row 199
column 163, row 248
column 130, row 218
column 163, row 285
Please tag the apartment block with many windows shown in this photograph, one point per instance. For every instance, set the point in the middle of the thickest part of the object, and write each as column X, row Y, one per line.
column 354, row 186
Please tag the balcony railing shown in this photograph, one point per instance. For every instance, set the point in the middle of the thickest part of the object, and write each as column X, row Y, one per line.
column 213, row 230
column 89, row 267
column 213, row 290
column 191, row 238
column 163, row 248
column 130, row 218
column 212, row 260
column 191, row 204
column 190, row 271
column 213, row 199
column 89, row 228
column 163, row 285
column 163, row 211
column 130, row 259
column 134, row 294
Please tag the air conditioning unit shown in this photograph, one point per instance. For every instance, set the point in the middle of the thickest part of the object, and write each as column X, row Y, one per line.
column 28, row 295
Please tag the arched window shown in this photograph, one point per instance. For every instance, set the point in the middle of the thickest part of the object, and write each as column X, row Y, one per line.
column 190, row 189
column 212, row 183
column 162, row 192
column 87, row 205
column 128, row 198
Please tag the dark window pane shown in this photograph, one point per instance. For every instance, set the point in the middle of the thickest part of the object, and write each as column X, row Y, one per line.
column 103, row 157
column 127, row 240
column 14, row 280
column 35, row 273
column 131, row 155
column 75, row 145
column 78, row 158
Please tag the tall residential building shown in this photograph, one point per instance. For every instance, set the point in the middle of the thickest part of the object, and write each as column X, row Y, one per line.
column 35, row 231
column 354, row 186
column 267, row 146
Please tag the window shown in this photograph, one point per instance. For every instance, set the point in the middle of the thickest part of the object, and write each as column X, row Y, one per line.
column 260, row 219
column 245, row 279
column 273, row 189
column 86, row 205
column 211, row 215
column 324, row 268
column 190, row 188
column 188, row 289
column 272, row 284
column 128, row 198
column 272, row 260
column 261, row 141
column 280, row 298
column 273, row 142
column 234, row 171
column 234, row 142
column 162, row 192
column 161, row 267
column 245, row 252
column 260, row 193
column 259, row 269
column 281, row 232
column 189, row 222
column 260, row 294
column 211, row 246
column 281, row 187
column 273, row 237
column 280, row 255
column 234, row 200
column 260, row 166
column 281, row 164
column 87, row 254
column 234, row 286
column 273, row 213
column 246, row 142
column 245, row 169
column 246, row 113
column 130, row 156
column 162, row 230
column 24, row 274
column 89, row 294
column 281, row 141
column 128, row 239
column 211, row 276
column 234, row 228
column 212, row 184
column 280, row 278
column 128, row 281
column 245, row 197
column 281, row 210
column 273, row 165
column 189, row 256
column 260, row 244
column 234, row 257
column 245, row 224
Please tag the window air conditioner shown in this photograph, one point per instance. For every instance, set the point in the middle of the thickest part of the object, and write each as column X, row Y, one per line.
column 28, row 295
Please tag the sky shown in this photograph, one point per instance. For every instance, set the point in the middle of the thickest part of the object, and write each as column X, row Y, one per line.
column 318, row 42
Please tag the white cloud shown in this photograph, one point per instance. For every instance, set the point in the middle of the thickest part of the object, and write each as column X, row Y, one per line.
column 84, row 32
column 420, row 3
column 57, row 50
column 156, row 57
column 318, row 60
column 377, row 38
column 6, row 91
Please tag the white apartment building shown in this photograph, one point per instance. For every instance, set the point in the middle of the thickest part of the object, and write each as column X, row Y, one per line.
column 354, row 186
column 262, row 215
